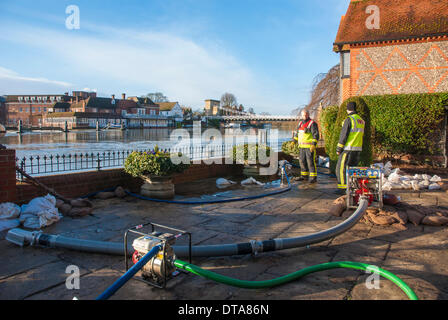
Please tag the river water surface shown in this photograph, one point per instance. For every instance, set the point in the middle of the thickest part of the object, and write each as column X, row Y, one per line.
column 91, row 141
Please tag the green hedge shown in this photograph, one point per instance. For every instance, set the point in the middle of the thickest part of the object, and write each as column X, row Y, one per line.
column 395, row 124
column 327, row 119
column 407, row 123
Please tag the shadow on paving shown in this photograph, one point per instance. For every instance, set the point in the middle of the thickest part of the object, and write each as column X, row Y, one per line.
column 418, row 255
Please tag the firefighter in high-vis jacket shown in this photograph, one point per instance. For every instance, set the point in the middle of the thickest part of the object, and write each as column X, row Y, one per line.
column 350, row 144
column 307, row 138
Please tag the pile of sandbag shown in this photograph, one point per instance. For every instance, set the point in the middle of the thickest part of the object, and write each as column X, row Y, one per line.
column 118, row 192
column 397, row 181
column 394, row 179
column 396, row 216
column 83, row 207
column 76, row 207
column 38, row 213
column 402, row 214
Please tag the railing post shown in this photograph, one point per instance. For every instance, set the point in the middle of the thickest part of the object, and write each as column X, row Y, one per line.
column 98, row 162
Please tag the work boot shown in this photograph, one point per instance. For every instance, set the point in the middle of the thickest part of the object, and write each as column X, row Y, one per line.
column 313, row 180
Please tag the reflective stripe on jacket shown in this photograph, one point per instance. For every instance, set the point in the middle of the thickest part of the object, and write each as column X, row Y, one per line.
column 305, row 136
column 356, row 135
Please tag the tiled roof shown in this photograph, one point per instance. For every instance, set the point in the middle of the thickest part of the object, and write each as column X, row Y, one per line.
column 142, row 100
column 399, row 20
column 100, row 103
column 166, row 106
column 61, row 105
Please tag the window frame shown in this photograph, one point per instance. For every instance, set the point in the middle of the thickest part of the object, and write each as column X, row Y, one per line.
column 344, row 64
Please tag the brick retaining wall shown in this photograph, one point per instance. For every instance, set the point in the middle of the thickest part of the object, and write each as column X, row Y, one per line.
column 74, row 185
column 8, row 176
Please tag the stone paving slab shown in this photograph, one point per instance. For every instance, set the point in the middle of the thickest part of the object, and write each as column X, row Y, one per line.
column 419, row 254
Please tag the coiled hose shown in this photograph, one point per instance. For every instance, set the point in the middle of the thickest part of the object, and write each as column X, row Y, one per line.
column 294, row 276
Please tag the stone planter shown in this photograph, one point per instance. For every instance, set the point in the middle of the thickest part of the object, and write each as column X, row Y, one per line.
column 157, row 187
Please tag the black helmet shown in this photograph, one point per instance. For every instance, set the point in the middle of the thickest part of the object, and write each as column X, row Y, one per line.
column 351, row 106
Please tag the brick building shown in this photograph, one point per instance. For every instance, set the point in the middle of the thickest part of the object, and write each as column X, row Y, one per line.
column 84, row 111
column 31, row 108
column 393, row 47
column 2, row 110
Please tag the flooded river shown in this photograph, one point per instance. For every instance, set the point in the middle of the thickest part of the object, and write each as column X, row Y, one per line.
column 91, row 141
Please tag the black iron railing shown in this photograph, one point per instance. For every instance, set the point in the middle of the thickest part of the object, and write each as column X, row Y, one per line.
column 41, row 165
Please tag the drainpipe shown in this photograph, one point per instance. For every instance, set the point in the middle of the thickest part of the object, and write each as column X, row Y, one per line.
column 445, row 128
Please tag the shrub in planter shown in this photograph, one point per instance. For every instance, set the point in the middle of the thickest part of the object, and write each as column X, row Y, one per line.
column 156, row 170
column 291, row 148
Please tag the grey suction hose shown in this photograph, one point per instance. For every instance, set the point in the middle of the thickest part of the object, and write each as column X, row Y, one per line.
column 22, row 237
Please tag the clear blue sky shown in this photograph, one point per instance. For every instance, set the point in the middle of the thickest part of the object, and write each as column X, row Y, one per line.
column 266, row 52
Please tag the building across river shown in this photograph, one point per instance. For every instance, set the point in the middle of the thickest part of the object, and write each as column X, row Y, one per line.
column 85, row 110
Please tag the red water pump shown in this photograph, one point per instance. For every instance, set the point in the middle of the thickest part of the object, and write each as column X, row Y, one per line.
column 366, row 182
column 363, row 190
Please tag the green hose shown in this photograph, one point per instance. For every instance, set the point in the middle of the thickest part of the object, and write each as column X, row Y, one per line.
column 293, row 276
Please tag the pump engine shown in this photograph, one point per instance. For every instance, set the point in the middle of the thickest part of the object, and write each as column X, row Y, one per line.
column 364, row 181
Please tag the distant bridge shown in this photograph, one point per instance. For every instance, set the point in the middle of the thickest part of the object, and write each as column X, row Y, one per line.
column 254, row 118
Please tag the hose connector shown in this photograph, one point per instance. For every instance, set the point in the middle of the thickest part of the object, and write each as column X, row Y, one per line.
column 257, row 246
column 22, row 237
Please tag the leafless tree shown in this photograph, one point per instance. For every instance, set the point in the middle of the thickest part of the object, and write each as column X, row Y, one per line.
column 228, row 100
column 325, row 90
column 157, row 97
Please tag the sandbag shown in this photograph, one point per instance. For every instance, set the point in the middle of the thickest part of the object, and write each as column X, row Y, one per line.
column 9, row 210
column 338, row 207
column 120, row 193
column 6, row 225
column 251, row 181
column 65, row 209
column 434, row 221
column 434, row 186
column 222, row 183
column 414, row 216
column 399, row 226
column 415, row 186
column 401, row 217
column 381, row 220
column 59, row 203
column 80, row 212
column 81, row 203
column 40, row 212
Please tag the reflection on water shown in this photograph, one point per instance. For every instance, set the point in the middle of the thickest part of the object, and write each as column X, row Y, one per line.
column 46, row 142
